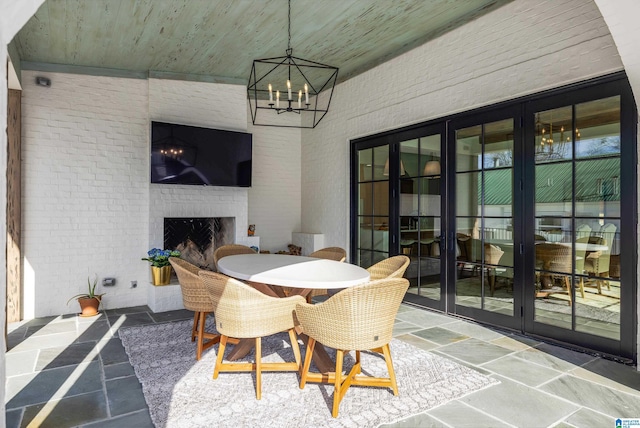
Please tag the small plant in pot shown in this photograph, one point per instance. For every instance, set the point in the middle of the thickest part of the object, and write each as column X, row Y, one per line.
column 160, row 266
column 89, row 302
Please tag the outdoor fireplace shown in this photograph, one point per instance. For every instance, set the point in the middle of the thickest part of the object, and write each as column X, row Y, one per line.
column 198, row 238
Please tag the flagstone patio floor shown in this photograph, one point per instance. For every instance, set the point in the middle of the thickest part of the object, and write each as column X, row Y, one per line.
column 70, row 371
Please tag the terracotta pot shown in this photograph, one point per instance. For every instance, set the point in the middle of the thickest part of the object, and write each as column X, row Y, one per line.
column 160, row 275
column 89, row 306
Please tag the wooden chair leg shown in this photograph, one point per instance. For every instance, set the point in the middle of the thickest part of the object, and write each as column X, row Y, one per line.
column 567, row 284
column 342, row 382
column 311, row 344
column 258, row 368
column 295, row 347
column 582, row 287
column 492, row 281
column 199, row 344
column 392, row 374
column 337, row 388
column 223, row 344
column 194, row 330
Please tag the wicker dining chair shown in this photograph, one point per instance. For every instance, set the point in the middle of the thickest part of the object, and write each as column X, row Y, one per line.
column 230, row 250
column 393, row 267
column 330, row 253
column 492, row 256
column 195, row 298
column 597, row 263
column 557, row 258
column 243, row 312
column 357, row 319
column 581, row 254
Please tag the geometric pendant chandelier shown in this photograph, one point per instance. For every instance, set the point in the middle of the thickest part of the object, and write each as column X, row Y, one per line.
column 288, row 91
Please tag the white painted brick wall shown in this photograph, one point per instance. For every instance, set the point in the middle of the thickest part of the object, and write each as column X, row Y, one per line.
column 521, row 48
column 273, row 201
column 275, row 194
column 194, row 201
column 87, row 201
column 85, row 191
column 209, row 105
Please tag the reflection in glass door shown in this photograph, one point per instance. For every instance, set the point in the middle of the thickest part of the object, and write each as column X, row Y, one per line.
column 522, row 216
column 577, row 217
column 420, row 213
column 373, row 205
column 484, row 217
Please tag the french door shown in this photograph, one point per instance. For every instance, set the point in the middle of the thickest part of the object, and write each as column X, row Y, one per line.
column 397, row 187
column 486, row 237
column 521, row 216
column 580, row 209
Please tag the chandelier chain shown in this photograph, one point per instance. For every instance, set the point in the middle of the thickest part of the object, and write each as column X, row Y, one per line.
column 289, row 41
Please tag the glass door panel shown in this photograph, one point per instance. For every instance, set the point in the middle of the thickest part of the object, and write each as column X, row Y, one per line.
column 420, row 213
column 373, row 205
column 599, row 143
column 521, row 222
column 484, row 216
column 577, row 218
column 554, row 136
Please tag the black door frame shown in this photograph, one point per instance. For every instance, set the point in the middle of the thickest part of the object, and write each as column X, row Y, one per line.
column 393, row 140
column 626, row 347
column 524, row 263
column 514, row 321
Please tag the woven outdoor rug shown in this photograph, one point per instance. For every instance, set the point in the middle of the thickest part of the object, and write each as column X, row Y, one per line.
column 180, row 391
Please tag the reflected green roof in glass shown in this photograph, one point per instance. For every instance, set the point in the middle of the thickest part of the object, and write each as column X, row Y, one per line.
column 595, row 180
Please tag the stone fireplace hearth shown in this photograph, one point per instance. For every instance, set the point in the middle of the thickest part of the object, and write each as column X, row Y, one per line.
column 198, row 238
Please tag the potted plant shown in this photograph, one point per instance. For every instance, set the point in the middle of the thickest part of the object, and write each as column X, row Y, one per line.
column 160, row 266
column 89, row 302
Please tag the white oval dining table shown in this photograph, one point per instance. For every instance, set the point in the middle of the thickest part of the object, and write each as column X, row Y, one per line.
column 269, row 273
column 293, row 271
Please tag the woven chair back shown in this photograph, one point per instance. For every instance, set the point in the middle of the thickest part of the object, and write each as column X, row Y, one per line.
column 597, row 262
column 194, row 295
column 461, row 250
column 581, row 253
column 608, row 232
column 330, row 253
column 583, row 231
column 357, row 318
column 492, row 254
column 244, row 312
column 230, row 250
column 393, row 267
column 555, row 257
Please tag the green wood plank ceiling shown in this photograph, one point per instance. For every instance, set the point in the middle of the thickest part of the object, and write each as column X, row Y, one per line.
column 217, row 40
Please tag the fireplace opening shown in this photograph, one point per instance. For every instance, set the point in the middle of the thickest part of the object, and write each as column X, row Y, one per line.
column 198, row 238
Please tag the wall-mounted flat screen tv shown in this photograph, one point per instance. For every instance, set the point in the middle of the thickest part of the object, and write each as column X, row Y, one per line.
column 183, row 154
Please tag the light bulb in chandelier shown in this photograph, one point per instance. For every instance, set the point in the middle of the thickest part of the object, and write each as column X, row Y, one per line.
column 290, row 100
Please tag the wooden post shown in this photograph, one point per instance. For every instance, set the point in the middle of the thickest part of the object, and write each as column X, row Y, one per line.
column 14, row 255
